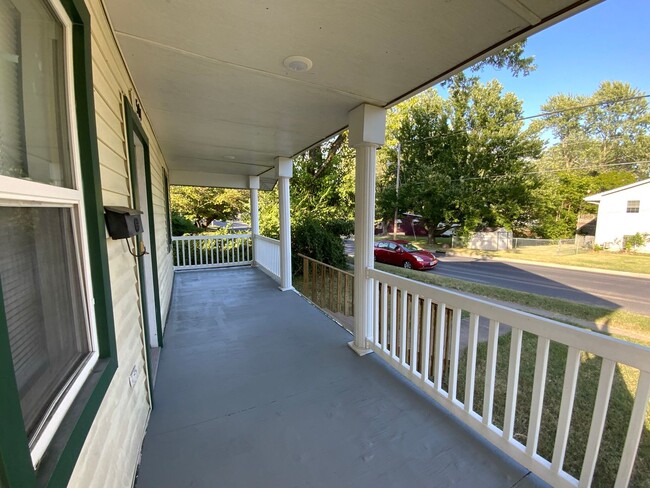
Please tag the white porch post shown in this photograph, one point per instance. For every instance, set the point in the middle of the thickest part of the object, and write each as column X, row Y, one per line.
column 284, row 168
column 254, row 185
column 367, row 133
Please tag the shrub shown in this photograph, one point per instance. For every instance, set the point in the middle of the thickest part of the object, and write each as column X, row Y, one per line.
column 316, row 239
column 182, row 225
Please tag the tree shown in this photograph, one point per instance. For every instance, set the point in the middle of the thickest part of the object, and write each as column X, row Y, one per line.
column 202, row 205
column 465, row 159
column 323, row 181
column 599, row 142
column 607, row 129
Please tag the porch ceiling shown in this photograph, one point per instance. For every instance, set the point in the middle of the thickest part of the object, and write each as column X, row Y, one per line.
column 212, row 80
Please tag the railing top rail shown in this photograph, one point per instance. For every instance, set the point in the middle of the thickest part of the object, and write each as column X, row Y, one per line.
column 267, row 239
column 607, row 347
column 212, row 236
column 327, row 265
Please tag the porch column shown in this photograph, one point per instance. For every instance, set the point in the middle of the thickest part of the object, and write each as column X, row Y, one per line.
column 284, row 168
column 254, row 185
column 367, row 133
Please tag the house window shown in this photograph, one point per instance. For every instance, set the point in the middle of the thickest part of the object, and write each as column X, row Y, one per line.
column 44, row 265
column 633, row 206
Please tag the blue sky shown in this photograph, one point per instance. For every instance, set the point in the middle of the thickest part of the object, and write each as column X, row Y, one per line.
column 610, row 41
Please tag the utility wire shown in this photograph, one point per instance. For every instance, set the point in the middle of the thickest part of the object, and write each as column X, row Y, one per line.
column 541, row 114
column 577, row 168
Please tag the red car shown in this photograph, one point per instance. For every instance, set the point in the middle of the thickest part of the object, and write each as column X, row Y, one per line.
column 404, row 254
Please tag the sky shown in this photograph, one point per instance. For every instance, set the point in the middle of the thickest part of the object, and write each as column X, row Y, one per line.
column 610, row 41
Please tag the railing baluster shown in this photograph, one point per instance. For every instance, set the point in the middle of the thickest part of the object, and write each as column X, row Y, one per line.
column 438, row 352
column 513, row 382
column 470, row 374
column 305, row 276
column 634, row 430
column 607, row 369
column 403, row 325
column 426, row 340
column 393, row 322
column 490, row 372
column 222, row 245
column 415, row 319
column 537, row 401
column 566, row 408
column 384, row 317
column 453, row 356
column 375, row 329
column 175, row 243
column 338, row 291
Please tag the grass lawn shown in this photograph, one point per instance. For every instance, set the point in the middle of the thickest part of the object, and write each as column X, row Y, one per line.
column 614, row 261
column 620, row 407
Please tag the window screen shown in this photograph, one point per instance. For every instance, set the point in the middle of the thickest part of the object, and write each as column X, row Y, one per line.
column 43, row 301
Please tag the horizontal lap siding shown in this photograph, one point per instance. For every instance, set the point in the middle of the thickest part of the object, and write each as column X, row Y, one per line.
column 110, row 453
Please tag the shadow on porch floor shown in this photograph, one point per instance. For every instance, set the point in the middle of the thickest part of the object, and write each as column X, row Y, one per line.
column 257, row 388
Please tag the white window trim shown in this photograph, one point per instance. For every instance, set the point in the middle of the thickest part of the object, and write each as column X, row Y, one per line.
column 21, row 192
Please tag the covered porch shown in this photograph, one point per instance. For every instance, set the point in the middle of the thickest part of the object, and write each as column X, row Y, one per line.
column 276, row 398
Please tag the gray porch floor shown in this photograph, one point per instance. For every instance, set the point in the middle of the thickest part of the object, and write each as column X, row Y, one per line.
column 257, row 388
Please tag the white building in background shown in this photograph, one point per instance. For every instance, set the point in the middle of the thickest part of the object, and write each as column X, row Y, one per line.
column 622, row 212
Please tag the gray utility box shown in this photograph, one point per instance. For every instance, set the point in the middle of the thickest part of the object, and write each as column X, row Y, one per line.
column 123, row 222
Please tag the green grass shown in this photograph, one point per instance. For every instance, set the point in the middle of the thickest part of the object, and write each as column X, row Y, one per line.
column 613, row 261
column 619, row 321
column 620, row 407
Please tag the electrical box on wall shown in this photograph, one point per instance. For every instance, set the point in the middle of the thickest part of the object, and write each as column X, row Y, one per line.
column 123, row 222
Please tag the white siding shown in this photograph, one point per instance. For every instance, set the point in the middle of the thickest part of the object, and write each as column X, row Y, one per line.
column 110, row 453
column 613, row 220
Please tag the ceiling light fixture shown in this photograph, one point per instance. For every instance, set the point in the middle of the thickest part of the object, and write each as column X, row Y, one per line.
column 298, row 63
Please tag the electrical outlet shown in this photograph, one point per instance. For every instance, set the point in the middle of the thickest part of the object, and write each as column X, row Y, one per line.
column 133, row 377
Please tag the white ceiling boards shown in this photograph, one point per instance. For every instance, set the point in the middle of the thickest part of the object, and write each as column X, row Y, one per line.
column 212, row 77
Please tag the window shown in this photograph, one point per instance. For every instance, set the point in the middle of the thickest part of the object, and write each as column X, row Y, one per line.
column 633, row 206
column 44, row 258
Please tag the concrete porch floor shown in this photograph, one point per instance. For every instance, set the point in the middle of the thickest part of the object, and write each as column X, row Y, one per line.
column 257, row 388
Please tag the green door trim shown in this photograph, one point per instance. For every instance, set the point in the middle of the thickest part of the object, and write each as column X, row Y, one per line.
column 133, row 125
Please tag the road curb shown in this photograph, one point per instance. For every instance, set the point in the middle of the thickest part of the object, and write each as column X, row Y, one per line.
column 551, row 265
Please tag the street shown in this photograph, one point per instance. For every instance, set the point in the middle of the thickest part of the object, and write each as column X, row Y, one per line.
column 604, row 290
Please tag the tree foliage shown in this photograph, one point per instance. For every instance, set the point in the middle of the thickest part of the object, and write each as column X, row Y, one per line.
column 465, row 159
column 598, row 132
column 202, row 205
column 599, row 142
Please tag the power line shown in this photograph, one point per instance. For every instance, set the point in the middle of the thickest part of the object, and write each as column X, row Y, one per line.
column 576, row 168
column 604, row 102
column 541, row 114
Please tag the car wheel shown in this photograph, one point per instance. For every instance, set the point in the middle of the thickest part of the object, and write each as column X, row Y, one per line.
column 408, row 265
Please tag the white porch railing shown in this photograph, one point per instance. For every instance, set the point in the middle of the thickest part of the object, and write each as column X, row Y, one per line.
column 406, row 332
column 212, row 251
column 267, row 255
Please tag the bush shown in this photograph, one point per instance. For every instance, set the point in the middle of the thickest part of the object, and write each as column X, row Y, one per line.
column 637, row 240
column 316, row 239
column 182, row 225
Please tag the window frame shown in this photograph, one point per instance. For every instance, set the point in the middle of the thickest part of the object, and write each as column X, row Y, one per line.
column 633, row 207
column 61, row 453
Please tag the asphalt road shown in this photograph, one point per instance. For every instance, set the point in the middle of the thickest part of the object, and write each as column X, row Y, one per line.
column 599, row 289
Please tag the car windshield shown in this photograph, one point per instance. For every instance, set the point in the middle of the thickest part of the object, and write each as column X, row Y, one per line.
column 409, row 247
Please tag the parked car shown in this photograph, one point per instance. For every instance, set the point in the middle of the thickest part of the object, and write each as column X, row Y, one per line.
column 404, row 254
